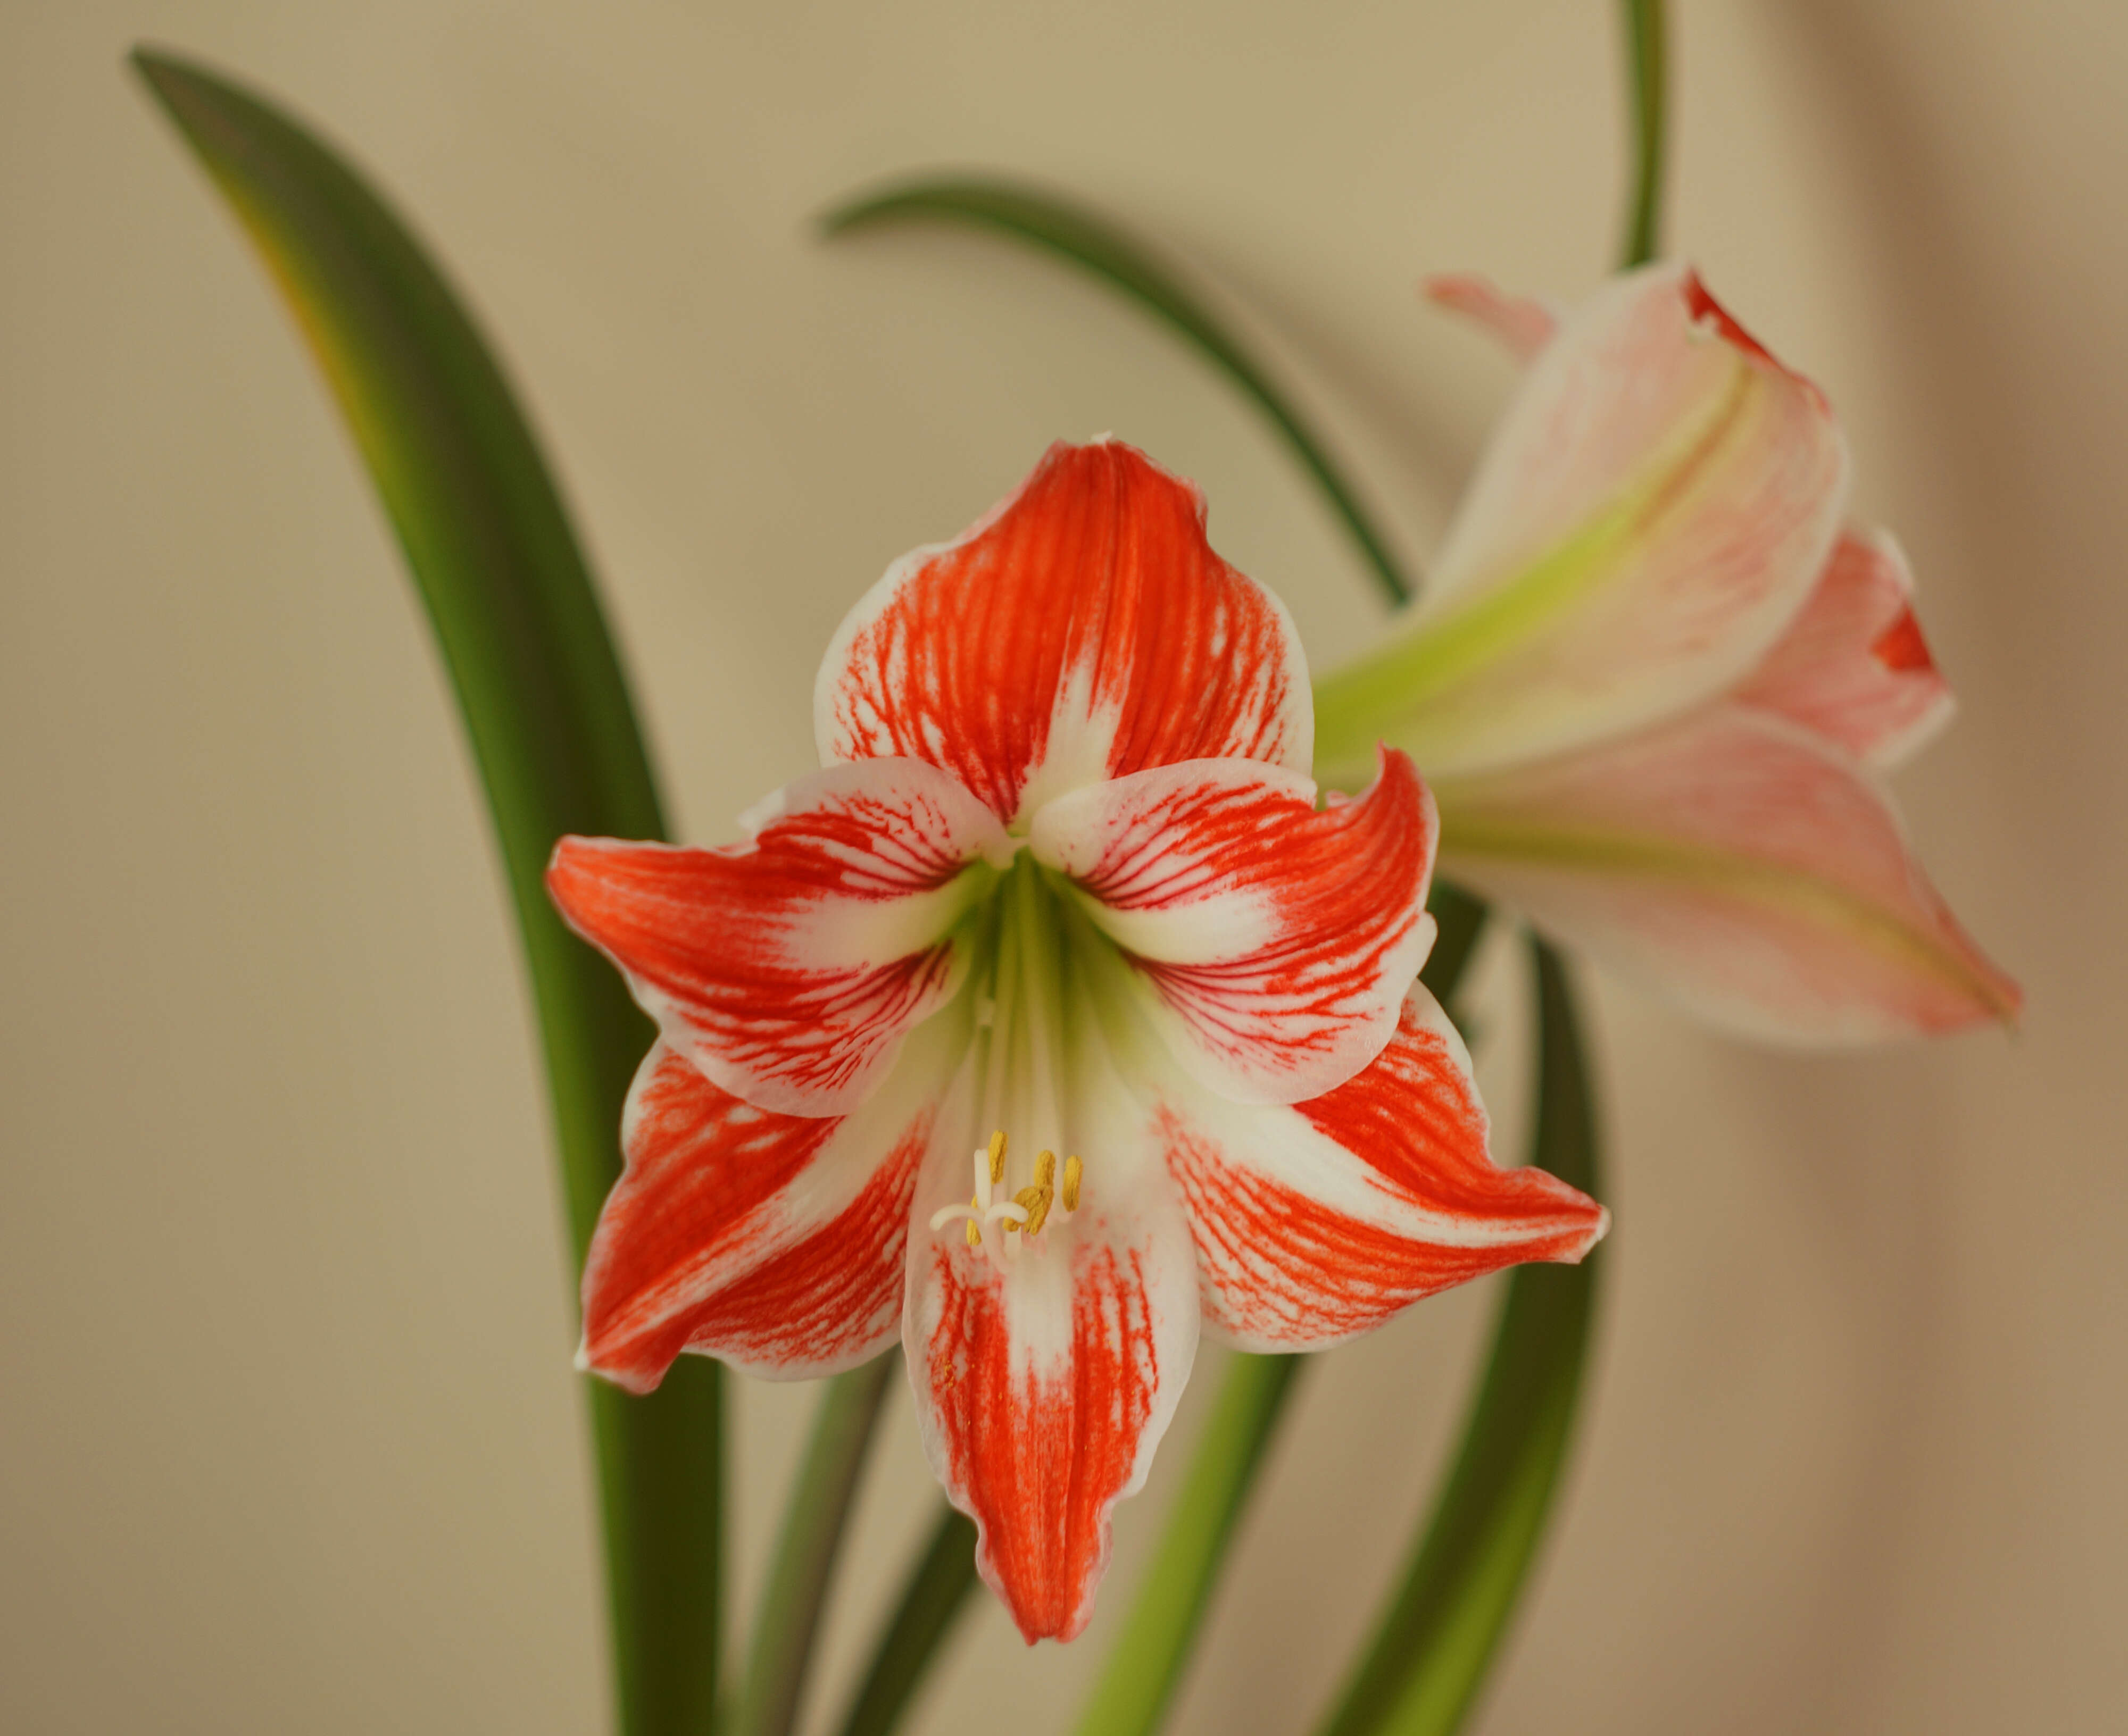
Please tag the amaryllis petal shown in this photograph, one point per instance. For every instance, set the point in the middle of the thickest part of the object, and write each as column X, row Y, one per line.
column 1741, row 864
column 1853, row 666
column 1654, row 509
column 786, row 969
column 1317, row 1222
column 1524, row 325
column 1276, row 941
column 776, row 1242
column 1045, row 1376
column 1083, row 630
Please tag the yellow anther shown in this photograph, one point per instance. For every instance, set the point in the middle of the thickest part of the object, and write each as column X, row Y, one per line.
column 1073, row 1169
column 1034, row 1201
column 997, row 1157
column 975, row 1235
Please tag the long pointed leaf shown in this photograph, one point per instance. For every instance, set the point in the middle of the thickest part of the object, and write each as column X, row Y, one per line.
column 1094, row 243
column 556, row 740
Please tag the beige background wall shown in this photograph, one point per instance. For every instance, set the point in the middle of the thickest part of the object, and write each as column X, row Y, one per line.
column 288, row 1437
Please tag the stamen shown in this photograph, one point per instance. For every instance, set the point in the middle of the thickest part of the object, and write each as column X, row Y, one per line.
column 997, row 1157
column 1036, row 1199
column 975, row 1235
column 1073, row 1170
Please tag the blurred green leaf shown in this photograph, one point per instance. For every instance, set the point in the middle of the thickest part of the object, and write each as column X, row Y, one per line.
column 1094, row 243
column 932, row 1599
column 557, row 742
column 814, row 1516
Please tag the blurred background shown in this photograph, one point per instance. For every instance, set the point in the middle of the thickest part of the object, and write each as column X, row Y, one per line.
column 288, row 1435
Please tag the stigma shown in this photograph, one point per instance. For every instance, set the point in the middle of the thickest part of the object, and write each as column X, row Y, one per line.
column 1025, row 1214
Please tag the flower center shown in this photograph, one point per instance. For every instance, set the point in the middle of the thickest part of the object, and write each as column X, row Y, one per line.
column 1026, row 1212
column 1036, row 1051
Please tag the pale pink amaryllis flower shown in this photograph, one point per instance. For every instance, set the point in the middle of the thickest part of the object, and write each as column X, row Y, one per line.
column 1048, row 1025
column 1655, row 679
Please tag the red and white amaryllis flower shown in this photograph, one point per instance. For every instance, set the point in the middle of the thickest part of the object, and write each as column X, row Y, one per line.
column 1654, row 678
column 1051, row 1023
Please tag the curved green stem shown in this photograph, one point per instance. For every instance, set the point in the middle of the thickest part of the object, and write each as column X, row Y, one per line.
column 546, row 708
column 932, row 1599
column 1432, row 1650
column 814, row 1521
column 1091, row 242
column 1647, row 66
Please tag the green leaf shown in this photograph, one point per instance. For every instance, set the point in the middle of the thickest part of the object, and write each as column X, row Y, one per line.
column 813, row 1519
column 1432, row 1651
column 1091, row 242
column 556, row 740
column 933, row 1597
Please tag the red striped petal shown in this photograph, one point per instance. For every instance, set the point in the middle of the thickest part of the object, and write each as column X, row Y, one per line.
column 1742, row 865
column 1277, row 941
column 1317, row 1222
column 1854, row 667
column 776, row 1242
column 1083, row 630
column 788, row 968
column 1042, row 1389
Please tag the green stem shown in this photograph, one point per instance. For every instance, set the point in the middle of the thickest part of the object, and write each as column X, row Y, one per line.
column 932, row 1599
column 546, row 706
column 1155, row 1641
column 814, row 1521
column 1092, row 242
column 1433, row 1649
column 1647, row 65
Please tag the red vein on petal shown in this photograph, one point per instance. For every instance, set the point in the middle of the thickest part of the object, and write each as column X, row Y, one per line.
column 696, row 1248
column 1040, row 1455
column 1280, row 1267
column 1088, row 603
